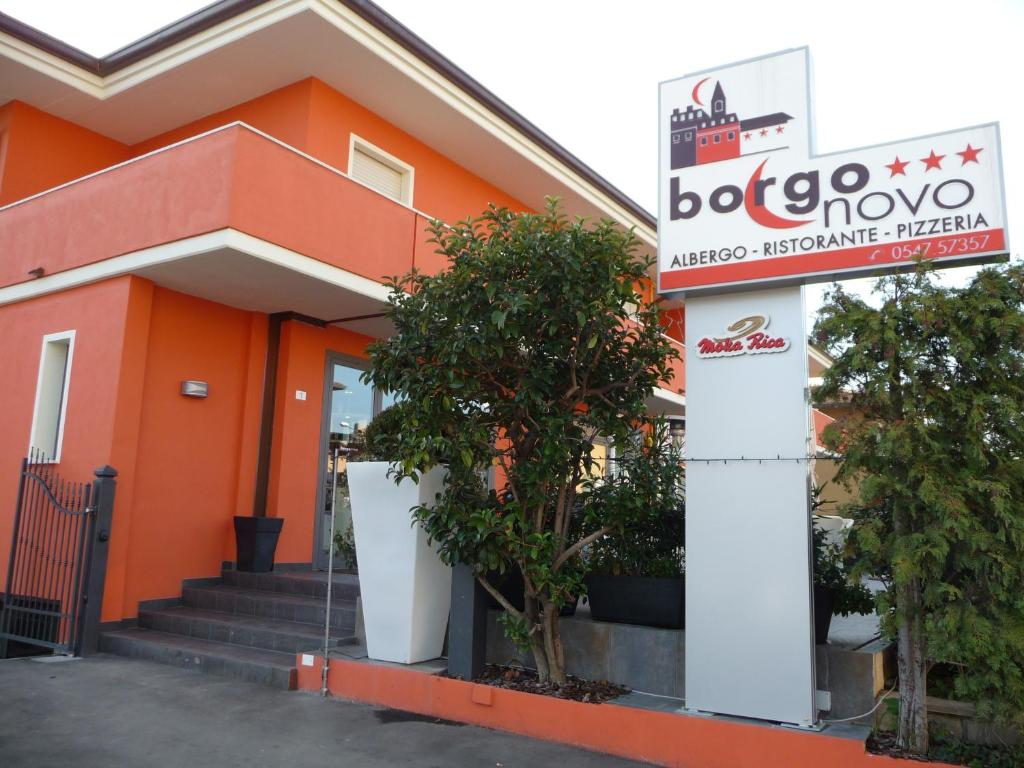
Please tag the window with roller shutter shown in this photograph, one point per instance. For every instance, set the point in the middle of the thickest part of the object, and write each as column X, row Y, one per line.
column 380, row 171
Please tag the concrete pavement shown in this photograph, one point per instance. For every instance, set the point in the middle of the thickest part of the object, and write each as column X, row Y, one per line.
column 109, row 711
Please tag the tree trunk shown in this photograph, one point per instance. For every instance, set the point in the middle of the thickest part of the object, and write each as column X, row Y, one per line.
column 552, row 645
column 912, row 734
column 536, row 634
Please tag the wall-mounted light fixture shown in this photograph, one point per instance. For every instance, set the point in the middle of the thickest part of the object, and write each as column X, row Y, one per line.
column 191, row 388
column 676, row 426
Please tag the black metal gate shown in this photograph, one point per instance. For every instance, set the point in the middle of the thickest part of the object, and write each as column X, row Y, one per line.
column 57, row 560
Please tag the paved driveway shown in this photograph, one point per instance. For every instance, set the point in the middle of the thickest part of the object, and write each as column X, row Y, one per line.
column 109, row 711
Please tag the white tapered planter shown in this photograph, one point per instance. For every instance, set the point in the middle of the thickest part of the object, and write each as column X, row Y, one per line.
column 404, row 586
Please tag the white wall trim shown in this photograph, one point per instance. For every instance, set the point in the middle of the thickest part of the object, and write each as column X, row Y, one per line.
column 669, row 396
column 193, row 246
column 59, row 442
column 297, row 262
column 818, row 356
column 46, row 63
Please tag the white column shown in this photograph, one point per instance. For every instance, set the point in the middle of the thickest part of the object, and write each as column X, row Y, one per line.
column 749, row 624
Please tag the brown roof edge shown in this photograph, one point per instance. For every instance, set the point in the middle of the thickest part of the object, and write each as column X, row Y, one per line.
column 44, row 42
column 225, row 9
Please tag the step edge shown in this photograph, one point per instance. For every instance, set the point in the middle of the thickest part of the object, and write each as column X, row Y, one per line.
column 223, row 617
column 134, row 633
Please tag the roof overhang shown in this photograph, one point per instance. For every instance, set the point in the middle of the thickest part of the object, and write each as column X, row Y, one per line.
column 665, row 402
column 239, row 270
column 236, row 50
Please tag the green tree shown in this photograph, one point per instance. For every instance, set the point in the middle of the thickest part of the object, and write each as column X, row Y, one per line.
column 934, row 436
column 533, row 343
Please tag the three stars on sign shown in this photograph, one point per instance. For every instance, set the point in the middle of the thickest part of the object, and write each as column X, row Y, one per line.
column 899, row 167
column 764, row 132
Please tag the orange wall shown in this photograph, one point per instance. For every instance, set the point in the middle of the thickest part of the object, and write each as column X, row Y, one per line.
column 442, row 188
column 186, row 466
column 97, row 313
column 313, row 117
column 179, row 193
column 233, row 178
column 284, row 114
column 197, row 458
column 673, row 323
column 39, row 151
column 196, row 463
column 295, row 458
column 190, row 450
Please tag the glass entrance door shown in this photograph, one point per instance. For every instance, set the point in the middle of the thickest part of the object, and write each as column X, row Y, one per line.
column 348, row 409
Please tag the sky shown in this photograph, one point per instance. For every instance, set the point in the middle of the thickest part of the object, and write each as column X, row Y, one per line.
column 587, row 71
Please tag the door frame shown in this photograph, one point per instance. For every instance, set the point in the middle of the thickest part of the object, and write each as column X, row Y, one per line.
column 332, row 358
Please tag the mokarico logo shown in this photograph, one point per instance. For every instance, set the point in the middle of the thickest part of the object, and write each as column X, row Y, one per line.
column 747, row 336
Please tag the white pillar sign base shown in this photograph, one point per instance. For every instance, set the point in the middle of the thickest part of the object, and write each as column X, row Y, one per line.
column 745, row 203
column 749, row 625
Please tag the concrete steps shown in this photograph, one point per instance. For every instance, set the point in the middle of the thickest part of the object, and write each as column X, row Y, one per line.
column 344, row 588
column 250, row 631
column 270, row 605
column 248, row 626
column 252, row 664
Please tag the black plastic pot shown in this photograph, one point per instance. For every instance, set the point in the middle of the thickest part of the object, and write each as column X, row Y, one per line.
column 646, row 600
column 822, row 613
column 510, row 585
column 255, row 542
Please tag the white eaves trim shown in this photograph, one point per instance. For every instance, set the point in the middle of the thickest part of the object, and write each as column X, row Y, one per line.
column 193, row 246
column 669, row 396
column 209, row 40
column 51, row 66
column 359, row 30
column 818, row 356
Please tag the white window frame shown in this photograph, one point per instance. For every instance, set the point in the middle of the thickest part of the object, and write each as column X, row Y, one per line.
column 408, row 172
column 69, row 336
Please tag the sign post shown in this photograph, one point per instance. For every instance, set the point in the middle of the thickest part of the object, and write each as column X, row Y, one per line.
column 748, row 214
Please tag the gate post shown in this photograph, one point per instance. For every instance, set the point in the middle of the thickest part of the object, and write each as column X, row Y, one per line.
column 103, row 488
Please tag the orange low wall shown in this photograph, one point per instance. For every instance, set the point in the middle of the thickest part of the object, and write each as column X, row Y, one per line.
column 232, row 178
column 661, row 738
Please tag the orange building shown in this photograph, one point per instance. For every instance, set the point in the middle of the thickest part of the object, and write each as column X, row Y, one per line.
column 212, row 211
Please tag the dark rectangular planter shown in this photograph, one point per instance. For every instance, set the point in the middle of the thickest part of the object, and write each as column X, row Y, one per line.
column 255, row 542
column 646, row 600
column 822, row 613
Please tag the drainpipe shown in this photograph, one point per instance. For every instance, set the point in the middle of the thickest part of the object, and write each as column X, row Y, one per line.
column 274, row 322
column 259, row 504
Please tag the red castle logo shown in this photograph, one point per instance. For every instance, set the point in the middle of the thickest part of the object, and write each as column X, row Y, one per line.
column 698, row 138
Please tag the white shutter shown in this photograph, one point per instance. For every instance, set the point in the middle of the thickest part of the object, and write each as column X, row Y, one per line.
column 377, row 174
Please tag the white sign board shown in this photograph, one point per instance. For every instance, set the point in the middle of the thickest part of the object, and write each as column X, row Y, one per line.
column 744, row 201
column 749, row 639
